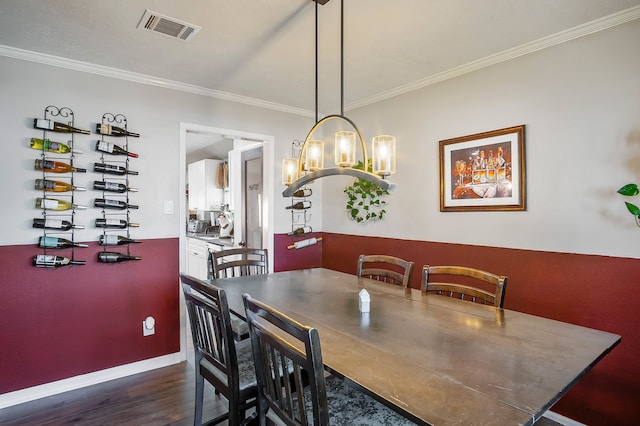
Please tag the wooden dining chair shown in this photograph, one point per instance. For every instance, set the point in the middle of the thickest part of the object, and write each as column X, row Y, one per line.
column 224, row 363
column 238, row 262
column 385, row 268
column 465, row 283
column 280, row 343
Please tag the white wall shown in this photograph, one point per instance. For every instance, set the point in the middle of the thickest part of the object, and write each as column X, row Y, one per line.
column 26, row 88
column 580, row 102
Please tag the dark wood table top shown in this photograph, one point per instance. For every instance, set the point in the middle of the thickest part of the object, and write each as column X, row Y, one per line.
column 436, row 360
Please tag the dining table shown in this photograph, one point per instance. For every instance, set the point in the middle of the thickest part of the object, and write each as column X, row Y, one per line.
column 434, row 359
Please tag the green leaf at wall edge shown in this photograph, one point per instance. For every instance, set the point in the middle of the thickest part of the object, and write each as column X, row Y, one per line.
column 633, row 209
column 629, row 190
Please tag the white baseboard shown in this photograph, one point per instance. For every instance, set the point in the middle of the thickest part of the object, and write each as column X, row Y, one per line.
column 72, row 383
column 566, row 421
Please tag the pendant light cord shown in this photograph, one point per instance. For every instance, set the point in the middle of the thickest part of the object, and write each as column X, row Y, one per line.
column 341, row 57
column 316, row 62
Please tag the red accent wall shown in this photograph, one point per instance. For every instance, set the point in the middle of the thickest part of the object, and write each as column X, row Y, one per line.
column 291, row 259
column 56, row 324
column 593, row 291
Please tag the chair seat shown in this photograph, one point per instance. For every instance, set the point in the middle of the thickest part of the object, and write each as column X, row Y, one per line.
column 350, row 407
column 246, row 369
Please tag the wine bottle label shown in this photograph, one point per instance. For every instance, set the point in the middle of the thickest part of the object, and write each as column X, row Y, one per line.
column 106, row 167
column 108, row 257
column 45, row 260
column 104, row 129
column 111, row 186
column 112, row 222
column 52, row 146
column 47, row 164
column 112, row 203
column 45, row 184
column 53, row 223
column 48, row 242
column 105, row 147
column 49, row 204
column 43, row 124
column 109, row 240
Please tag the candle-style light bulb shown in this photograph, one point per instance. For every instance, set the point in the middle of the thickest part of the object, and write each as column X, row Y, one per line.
column 345, row 149
column 384, row 155
column 314, row 155
column 289, row 170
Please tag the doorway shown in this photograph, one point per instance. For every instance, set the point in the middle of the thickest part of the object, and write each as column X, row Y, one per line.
column 243, row 146
column 252, row 206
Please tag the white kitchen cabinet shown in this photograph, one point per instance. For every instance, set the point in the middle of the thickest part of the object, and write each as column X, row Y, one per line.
column 201, row 177
column 197, row 258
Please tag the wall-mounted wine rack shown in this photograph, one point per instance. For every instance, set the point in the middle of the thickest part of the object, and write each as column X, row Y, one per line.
column 57, row 183
column 114, row 185
column 300, row 204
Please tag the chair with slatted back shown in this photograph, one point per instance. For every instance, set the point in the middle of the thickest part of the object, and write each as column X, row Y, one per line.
column 227, row 365
column 385, row 268
column 465, row 283
column 280, row 343
column 238, row 262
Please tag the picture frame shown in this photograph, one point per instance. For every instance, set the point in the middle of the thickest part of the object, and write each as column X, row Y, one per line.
column 484, row 171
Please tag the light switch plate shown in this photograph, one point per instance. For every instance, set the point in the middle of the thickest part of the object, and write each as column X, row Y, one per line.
column 168, row 207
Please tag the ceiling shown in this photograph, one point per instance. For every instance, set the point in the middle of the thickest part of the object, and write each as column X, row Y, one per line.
column 263, row 50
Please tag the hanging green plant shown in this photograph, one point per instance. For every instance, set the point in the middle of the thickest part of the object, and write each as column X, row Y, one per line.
column 365, row 198
column 630, row 190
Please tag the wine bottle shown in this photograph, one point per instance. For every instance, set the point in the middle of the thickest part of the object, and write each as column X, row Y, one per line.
column 300, row 193
column 56, row 186
column 45, row 124
column 300, row 205
column 49, row 261
column 111, row 148
column 108, row 129
column 51, row 146
column 56, row 167
column 63, row 225
column 115, row 257
column 111, row 186
column 54, row 204
column 116, row 240
column 115, row 223
column 300, row 231
column 58, row 243
column 112, row 169
column 106, row 203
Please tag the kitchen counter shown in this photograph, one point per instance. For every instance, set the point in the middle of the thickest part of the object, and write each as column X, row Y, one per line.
column 212, row 239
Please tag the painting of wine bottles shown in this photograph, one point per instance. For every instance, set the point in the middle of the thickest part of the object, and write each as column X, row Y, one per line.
column 484, row 171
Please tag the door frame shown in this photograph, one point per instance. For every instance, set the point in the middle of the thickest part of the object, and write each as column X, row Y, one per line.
column 267, row 193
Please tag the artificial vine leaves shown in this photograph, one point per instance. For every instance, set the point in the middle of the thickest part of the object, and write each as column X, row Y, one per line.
column 365, row 199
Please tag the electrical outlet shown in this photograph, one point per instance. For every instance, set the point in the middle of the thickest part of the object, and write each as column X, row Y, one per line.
column 148, row 326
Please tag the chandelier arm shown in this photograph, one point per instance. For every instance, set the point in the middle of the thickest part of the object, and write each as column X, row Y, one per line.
column 318, row 124
column 335, row 171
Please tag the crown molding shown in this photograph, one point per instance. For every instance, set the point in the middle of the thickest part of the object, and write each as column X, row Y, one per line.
column 534, row 46
column 75, row 65
column 543, row 43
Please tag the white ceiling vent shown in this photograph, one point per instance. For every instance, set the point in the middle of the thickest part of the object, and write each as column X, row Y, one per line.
column 166, row 25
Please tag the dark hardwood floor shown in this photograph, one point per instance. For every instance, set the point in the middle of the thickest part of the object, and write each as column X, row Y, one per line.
column 155, row 398
column 159, row 397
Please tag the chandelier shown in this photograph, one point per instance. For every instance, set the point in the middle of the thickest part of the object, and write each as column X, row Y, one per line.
column 309, row 166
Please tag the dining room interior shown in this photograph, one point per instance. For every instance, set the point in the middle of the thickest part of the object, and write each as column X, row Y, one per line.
column 512, row 125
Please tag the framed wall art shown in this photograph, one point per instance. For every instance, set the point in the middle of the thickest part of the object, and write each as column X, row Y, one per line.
column 484, row 171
